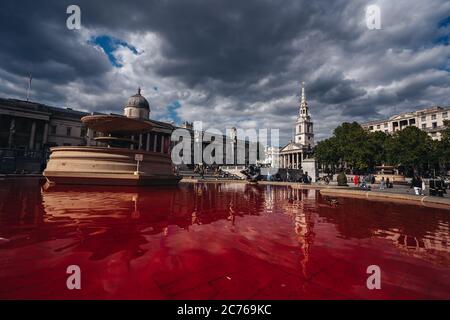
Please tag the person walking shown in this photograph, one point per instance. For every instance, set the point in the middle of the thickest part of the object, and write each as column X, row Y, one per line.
column 382, row 183
column 356, row 180
column 416, row 183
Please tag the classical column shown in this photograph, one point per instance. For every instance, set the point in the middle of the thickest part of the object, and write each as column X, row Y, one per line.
column 140, row 141
column 297, row 160
column 132, row 144
column 147, row 147
column 162, row 144
column 32, row 135
column 89, row 136
column 155, row 142
column 12, row 129
column 45, row 137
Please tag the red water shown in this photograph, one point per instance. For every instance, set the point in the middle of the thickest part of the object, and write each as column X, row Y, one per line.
column 217, row 241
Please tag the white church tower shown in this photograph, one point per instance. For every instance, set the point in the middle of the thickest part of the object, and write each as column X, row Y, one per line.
column 304, row 133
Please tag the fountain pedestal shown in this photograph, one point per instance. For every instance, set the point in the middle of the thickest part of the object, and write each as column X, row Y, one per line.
column 108, row 166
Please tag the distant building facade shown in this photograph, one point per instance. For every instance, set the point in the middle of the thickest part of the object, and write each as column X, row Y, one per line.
column 33, row 126
column 272, row 156
column 28, row 130
column 430, row 120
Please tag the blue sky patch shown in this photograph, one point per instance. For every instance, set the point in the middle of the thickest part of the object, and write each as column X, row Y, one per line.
column 444, row 23
column 110, row 45
column 172, row 109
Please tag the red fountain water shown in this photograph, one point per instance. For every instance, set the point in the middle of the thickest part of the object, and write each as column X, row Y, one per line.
column 217, row 241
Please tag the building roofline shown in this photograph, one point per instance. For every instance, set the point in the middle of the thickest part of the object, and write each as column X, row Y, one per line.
column 415, row 113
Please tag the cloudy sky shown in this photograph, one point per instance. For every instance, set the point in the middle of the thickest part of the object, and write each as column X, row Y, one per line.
column 230, row 63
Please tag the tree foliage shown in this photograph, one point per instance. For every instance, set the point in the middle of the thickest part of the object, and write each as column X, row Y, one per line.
column 411, row 148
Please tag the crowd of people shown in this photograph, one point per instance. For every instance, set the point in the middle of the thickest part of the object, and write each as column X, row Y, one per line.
column 365, row 182
column 289, row 177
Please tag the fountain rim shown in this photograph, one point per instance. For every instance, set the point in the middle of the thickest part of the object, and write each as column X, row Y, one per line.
column 116, row 124
column 107, row 150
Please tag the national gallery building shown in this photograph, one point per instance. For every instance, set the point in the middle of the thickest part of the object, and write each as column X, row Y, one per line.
column 29, row 129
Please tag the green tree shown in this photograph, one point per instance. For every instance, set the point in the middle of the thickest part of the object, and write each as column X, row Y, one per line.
column 326, row 153
column 441, row 150
column 352, row 146
column 411, row 148
column 377, row 144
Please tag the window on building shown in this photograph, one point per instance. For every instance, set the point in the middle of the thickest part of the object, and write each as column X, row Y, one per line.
column 424, row 126
column 434, row 124
column 370, row 128
column 378, row 126
column 83, row 132
column 424, row 118
column 445, row 115
column 52, row 129
column 385, row 125
column 68, row 131
column 433, row 117
column 433, row 134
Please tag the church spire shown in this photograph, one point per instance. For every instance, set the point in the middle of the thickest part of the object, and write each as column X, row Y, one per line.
column 303, row 103
column 304, row 133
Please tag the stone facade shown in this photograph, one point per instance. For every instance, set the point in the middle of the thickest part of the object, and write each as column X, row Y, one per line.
column 430, row 120
column 29, row 129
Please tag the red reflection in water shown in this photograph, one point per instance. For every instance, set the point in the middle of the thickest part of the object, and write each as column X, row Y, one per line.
column 217, row 241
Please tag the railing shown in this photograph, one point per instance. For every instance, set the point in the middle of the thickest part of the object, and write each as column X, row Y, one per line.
column 232, row 167
column 21, row 153
column 21, row 160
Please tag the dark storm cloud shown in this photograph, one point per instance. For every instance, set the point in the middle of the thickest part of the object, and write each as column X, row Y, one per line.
column 240, row 60
column 234, row 41
column 35, row 40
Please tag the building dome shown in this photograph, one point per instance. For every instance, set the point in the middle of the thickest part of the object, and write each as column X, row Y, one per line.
column 137, row 101
column 137, row 106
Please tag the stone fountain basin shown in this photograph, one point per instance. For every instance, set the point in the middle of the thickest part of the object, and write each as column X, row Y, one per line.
column 108, row 166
